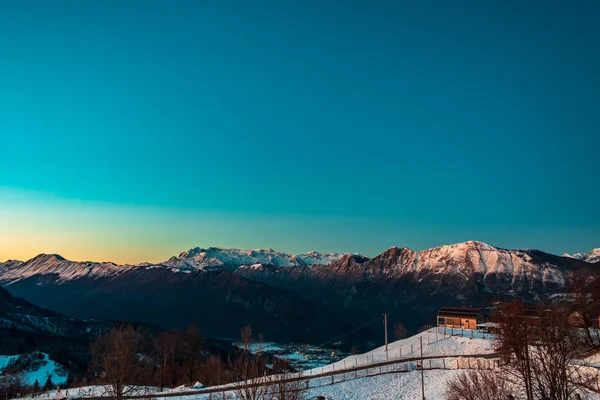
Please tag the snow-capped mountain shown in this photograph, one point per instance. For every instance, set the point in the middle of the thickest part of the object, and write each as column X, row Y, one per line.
column 496, row 269
column 593, row 256
column 195, row 259
column 292, row 295
column 216, row 258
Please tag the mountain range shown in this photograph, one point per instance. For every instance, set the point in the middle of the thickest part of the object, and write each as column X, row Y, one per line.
column 308, row 297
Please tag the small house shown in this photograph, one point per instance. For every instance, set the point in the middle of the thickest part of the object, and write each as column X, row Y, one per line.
column 460, row 317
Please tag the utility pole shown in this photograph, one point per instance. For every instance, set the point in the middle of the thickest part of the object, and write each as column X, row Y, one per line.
column 422, row 372
column 385, row 330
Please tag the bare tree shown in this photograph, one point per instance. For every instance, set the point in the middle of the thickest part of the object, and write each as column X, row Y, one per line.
column 477, row 385
column 213, row 371
column 249, row 367
column 514, row 340
column 193, row 343
column 585, row 290
column 281, row 388
column 542, row 352
column 12, row 385
column 117, row 361
column 165, row 347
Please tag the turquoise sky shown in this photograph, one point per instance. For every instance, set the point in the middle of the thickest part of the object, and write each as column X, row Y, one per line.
column 133, row 130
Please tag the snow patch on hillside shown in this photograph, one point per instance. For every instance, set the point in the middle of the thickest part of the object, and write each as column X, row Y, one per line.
column 47, row 368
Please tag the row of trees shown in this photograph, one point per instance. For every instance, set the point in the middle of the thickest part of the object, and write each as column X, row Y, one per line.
column 13, row 381
column 541, row 350
column 124, row 361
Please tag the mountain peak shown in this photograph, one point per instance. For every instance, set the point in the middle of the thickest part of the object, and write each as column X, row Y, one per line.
column 593, row 256
column 47, row 257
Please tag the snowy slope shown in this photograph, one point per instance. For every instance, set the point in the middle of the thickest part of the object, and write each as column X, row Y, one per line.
column 47, row 264
column 435, row 343
column 46, row 368
column 593, row 256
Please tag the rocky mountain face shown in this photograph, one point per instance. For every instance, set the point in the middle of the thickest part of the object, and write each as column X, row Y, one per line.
column 219, row 301
column 26, row 328
column 413, row 285
column 21, row 316
column 305, row 297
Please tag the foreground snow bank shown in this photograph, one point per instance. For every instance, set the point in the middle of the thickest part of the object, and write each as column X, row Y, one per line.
column 435, row 343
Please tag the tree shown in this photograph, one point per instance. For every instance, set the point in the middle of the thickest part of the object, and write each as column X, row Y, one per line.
column 586, row 304
column 48, row 385
column 193, row 343
column 36, row 387
column 514, row 339
column 12, row 385
column 117, row 360
column 477, row 385
column 165, row 348
column 541, row 350
column 248, row 368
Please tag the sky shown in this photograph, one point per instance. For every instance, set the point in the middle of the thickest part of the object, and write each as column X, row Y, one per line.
column 134, row 130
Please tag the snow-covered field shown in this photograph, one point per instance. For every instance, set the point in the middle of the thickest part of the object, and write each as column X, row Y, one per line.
column 46, row 368
column 435, row 343
column 397, row 381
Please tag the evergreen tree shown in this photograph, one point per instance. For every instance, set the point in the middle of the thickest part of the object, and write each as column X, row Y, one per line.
column 48, row 385
column 36, row 386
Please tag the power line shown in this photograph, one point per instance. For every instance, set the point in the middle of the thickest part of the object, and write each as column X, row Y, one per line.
column 350, row 331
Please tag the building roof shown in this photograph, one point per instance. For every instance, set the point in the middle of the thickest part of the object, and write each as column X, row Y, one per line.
column 460, row 312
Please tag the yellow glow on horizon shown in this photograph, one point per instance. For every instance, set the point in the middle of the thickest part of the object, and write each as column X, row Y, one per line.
column 32, row 223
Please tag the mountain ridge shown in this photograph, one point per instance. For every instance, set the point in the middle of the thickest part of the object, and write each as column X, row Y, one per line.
column 304, row 297
column 215, row 257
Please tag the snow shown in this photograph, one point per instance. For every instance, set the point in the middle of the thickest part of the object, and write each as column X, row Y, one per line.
column 47, row 368
column 214, row 257
column 397, row 381
column 391, row 386
column 435, row 343
column 461, row 258
column 593, row 256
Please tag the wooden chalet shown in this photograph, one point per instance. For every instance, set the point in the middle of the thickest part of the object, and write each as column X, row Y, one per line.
column 461, row 317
